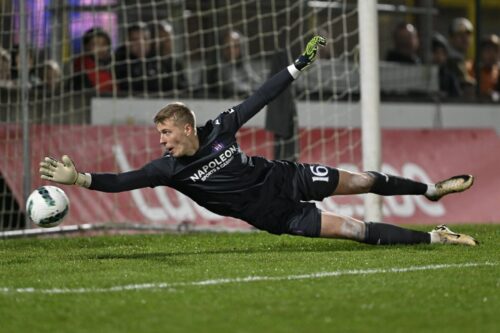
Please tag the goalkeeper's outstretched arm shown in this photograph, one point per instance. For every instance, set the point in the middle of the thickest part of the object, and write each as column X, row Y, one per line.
column 64, row 172
column 278, row 83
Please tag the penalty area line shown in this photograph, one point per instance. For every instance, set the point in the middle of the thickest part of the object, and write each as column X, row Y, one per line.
column 247, row 279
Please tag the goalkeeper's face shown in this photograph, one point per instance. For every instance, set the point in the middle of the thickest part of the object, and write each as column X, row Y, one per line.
column 178, row 139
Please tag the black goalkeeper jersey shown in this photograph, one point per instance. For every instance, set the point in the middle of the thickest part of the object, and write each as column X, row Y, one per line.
column 220, row 177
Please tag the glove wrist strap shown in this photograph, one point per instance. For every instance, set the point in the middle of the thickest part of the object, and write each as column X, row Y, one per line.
column 83, row 180
column 294, row 72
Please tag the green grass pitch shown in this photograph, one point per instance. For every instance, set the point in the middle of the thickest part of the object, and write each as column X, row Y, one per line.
column 221, row 282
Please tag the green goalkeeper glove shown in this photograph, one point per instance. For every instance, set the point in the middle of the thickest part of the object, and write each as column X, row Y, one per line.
column 63, row 172
column 309, row 55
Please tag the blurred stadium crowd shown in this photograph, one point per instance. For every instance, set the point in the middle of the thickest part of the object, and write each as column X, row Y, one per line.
column 146, row 64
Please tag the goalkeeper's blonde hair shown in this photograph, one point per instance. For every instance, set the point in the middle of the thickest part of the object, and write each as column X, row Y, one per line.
column 178, row 112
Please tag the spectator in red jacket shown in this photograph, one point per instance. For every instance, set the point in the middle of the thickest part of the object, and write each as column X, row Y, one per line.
column 93, row 68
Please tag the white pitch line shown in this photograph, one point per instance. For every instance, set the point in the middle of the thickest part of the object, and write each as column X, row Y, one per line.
column 164, row 285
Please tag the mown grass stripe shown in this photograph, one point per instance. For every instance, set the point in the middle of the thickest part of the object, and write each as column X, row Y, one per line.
column 212, row 282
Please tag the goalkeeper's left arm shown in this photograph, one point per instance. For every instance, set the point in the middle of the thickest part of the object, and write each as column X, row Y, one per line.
column 277, row 84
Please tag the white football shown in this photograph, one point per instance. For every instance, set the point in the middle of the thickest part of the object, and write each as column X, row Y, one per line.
column 47, row 206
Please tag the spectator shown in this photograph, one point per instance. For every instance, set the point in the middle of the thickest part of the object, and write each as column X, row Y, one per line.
column 93, row 68
column 172, row 68
column 137, row 69
column 449, row 84
column 281, row 115
column 489, row 49
column 51, row 75
column 5, row 62
column 164, row 38
column 238, row 79
column 460, row 38
column 406, row 44
column 33, row 79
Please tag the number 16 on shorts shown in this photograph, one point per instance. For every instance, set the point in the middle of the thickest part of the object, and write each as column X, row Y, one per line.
column 320, row 173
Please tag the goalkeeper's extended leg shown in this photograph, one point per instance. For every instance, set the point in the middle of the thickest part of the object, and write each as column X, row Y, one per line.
column 385, row 184
column 450, row 185
column 344, row 227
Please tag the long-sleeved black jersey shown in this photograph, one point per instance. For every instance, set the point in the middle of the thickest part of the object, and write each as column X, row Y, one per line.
column 221, row 177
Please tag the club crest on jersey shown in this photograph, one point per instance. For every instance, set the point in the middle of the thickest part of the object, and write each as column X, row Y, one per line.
column 217, row 146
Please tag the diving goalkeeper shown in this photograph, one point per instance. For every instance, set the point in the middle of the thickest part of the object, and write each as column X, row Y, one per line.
column 206, row 164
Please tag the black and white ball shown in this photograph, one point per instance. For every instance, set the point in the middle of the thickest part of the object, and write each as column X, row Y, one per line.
column 47, row 206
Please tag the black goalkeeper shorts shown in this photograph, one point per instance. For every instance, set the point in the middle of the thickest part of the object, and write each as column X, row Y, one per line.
column 291, row 212
column 310, row 182
column 293, row 218
column 305, row 220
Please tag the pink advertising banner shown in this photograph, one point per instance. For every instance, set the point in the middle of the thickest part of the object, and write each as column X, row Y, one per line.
column 425, row 155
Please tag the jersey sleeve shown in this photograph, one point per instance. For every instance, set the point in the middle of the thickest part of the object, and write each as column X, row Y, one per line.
column 151, row 175
column 235, row 117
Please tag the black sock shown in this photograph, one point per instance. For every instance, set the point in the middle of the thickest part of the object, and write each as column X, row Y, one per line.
column 387, row 234
column 393, row 185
